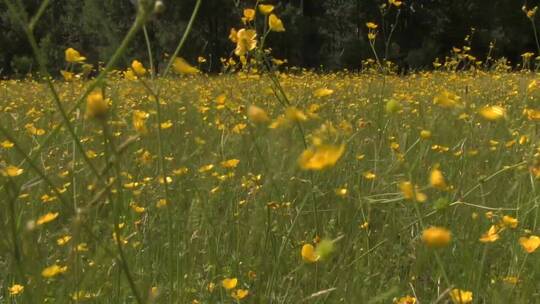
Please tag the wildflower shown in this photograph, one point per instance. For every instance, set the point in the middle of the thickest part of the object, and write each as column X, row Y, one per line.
column 138, row 67
column 492, row 113
column 323, row 92
column 166, row 125
column 342, row 192
column 181, row 66
column 369, row 175
column 73, row 56
column 395, row 3
column 436, row 237
column 510, row 222
column 96, row 105
column 530, row 244
column 308, row 253
column 231, row 163
column 6, row 144
column 425, row 134
column 266, row 9
column 49, row 217
column 491, row 235
column 229, row 283
column 12, row 171
column 293, row 114
column 372, row 25
column 245, row 41
column 16, row 289
column 257, row 115
column 275, row 24
column 436, row 179
column 406, row 300
column 249, row 15
column 461, row 296
column 53, row 270
column 201, row 59
column 139, row 121
column 412, row 192
column 130, row 75
column 512, row 280
column 33, row 130
column 63, row 240
column 239, row 294
column 161, row 203
column 233, row 35
column 321, row 157
column 68, row 76
column 447, row 99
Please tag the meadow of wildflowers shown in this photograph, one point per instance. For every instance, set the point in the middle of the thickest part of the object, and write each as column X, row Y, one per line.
column 266, row 184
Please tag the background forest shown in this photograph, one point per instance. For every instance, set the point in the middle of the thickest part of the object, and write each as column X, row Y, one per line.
column 328, row 34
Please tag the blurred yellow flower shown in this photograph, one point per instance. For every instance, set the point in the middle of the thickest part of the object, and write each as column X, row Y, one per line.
column 6, row 144
column 73, row 56
column 139, row 121
column 406, row 300
column 412, row 192
column 491, row 235
column 308, row 253
column 266, row 9
column 436, row 179
column 447, row 99
column 53, row 270
column 12, row 171
column 239, row 294
column 16, row 289
column 320, row 157
column 510, row 222
column 138, row 67
column 530, row 244
column 46, row 218
column 323, row 92
column 372, row 25
column 492, row 113
column 425, row 134
column 461, row 296
column 96, row 105
column 229, row 283
column 231, row 163
column 249, row 14
column 275, row 24
column 257, row 115
column 436, row 237
column 68, row 76
column 181, row 66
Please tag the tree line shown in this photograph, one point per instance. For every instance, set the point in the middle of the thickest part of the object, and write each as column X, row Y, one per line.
column 328, row 35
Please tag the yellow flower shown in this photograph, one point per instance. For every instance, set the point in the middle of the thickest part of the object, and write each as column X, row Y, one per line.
column 369, row 175
column 233, row 35
column 53, row 270
column 12, row 171
column 406, row 300
column 323, row 92
column 530, row 244
column 491, row 235
column 510, row 222
column 492, row 113
column 321, row 157
column 130, row 75
column 372, row 25
column 436, row 179
column 266, row 9
column 231, row 163
column 412, row 192
column 49, row 217
column 6, row 144
column 461, row 296
column 229, row 283
column 68, row 76
column 138, row 67
column 139, row 121
column 96, row 105
column 245, row 41
column 308, row 253
column 447, row 99
column 239, row 294
column 181, row 66
column 73, row 55
column 275, row 24
column 395, row 3
column 16, row 289
column 257, row 115
column 436, row 237
column 249, row 14
column 425, row 134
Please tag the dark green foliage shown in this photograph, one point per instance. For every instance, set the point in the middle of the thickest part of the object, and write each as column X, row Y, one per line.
column 329, row 34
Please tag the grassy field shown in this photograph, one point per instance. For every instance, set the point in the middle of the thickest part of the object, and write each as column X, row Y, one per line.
column 333, row 188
